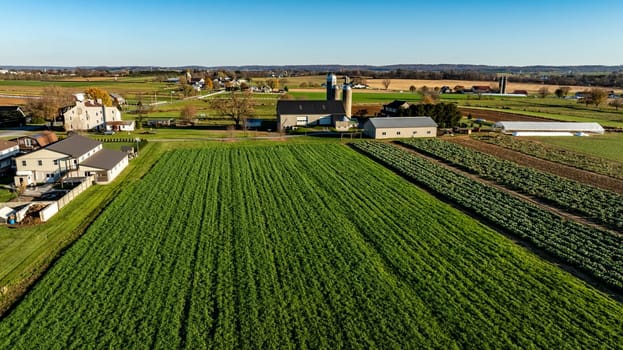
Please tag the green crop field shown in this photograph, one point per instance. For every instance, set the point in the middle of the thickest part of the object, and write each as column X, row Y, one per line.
column 380, row 97
column 299, row 246
column 609, row 146
column 606, row 146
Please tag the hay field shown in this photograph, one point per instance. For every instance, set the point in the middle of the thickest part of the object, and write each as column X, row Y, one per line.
column 404, row 84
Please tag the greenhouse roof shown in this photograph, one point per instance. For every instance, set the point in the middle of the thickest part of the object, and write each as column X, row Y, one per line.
column 549, row 126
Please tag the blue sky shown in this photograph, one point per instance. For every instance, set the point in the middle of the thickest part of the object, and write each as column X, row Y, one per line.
column 210, row 33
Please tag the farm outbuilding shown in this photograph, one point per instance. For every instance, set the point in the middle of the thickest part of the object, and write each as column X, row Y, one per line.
column 548, row 128
column 400, row 127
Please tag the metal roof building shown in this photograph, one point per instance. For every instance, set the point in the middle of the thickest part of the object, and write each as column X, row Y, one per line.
column 400, row 127
column 547, row 128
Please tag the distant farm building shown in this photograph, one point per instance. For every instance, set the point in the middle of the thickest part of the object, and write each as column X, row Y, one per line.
column 120, row 125
column 34, row 142
column 400, row 127
column 548, row 128
column 330, row 112
column 395, row 108
column 12, row 116
column 117, row 100
column 293, row 113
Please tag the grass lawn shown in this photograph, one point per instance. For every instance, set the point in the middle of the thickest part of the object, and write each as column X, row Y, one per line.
column 609, row 146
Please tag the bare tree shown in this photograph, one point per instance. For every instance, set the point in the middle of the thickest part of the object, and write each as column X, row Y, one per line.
column 47, row 107
column 188, row 113
column 598, row 96
column 238, row 106
column 543, row 92
column 616, row 103
column 386, row 83
column 565, row 90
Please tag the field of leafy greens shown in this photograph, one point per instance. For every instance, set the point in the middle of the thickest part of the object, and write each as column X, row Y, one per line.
column 299, row 246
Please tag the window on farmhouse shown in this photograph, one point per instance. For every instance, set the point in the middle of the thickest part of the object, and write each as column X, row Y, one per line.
column 428, row 132
column 415, row 132
column 383, row 133
column 397, row 132
column 40, row 162
column 23, row 163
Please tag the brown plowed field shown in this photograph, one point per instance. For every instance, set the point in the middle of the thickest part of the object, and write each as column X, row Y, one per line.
column 496, row 116
column 572, row 173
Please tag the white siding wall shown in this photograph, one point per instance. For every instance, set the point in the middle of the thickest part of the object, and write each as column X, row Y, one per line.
column 395, row 133
column 81, row 117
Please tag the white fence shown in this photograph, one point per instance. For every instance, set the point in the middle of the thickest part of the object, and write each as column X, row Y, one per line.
column 54, row 206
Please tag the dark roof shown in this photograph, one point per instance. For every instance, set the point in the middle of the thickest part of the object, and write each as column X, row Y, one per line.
column 74, row 146
column 105, row 159
column 310, row 107
column 395, row 104
column 11, row 109
column 403, row 122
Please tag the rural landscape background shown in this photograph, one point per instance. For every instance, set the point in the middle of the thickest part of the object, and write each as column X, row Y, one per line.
column 219, row 225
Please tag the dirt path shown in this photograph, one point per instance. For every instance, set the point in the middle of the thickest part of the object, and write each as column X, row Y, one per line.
column 579, row 175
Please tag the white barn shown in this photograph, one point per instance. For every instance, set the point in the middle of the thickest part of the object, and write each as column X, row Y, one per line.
column 400, row 127
column 548, row 128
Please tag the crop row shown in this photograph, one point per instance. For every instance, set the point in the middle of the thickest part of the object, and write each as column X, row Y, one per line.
column 298, row 246
column 598, row 252
column 559, row 155
column 599, row 205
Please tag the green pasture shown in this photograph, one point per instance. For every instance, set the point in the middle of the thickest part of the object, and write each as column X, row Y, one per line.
column 609, row 146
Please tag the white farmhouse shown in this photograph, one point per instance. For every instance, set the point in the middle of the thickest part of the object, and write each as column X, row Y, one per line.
column 87, row 115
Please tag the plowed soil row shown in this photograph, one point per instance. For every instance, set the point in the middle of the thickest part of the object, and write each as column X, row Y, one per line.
column 583, row 176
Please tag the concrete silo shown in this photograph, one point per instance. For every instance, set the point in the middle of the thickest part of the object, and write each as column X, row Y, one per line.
column 331, row 87
column 347, row 97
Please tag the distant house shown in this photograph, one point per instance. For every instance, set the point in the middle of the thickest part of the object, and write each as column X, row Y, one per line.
column 481, row 89
column 8, row 150
column 292, row 113
column 445, row 90
column 34, row 142
column 253, row 123
column 155, row 123
column 85, row 115
column 74, row 156
column 117, row 100
column 12, row 116
column 395, row 108
column 400, row 127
